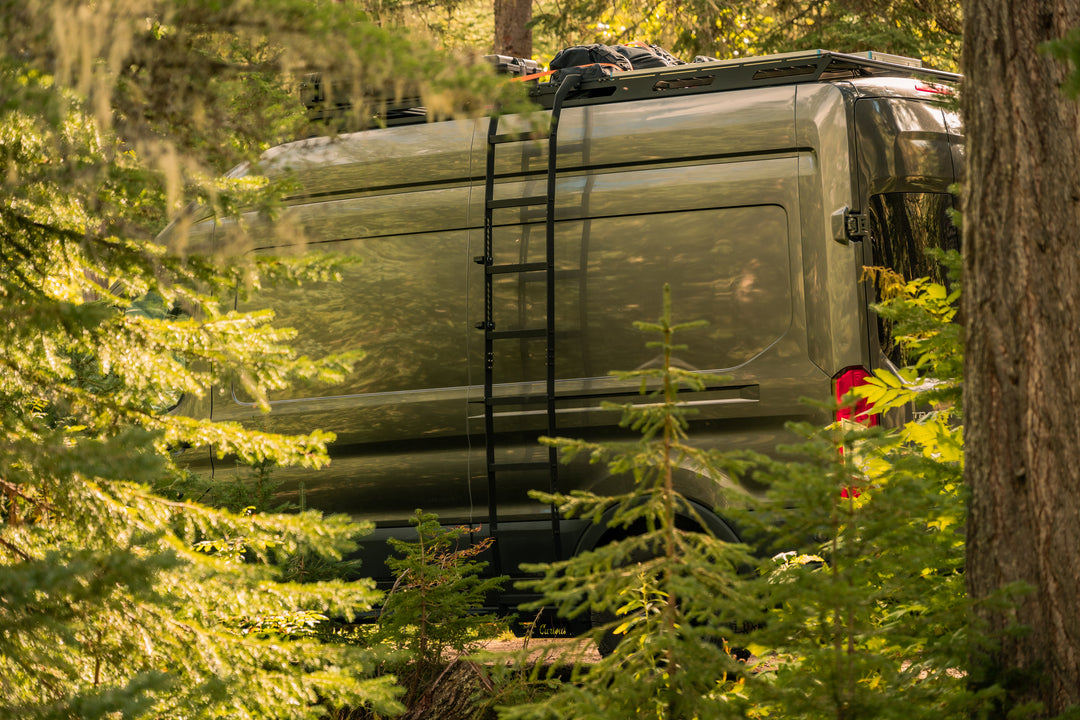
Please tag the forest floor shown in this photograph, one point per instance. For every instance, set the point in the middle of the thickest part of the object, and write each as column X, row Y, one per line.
column 559, row 647
column 503, row 671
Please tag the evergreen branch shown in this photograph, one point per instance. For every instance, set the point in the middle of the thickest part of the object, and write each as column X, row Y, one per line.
column 13, row 489
column 15, row 549
column 44, row 229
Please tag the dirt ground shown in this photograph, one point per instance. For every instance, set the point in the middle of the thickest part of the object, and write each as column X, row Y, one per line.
column 561, row 648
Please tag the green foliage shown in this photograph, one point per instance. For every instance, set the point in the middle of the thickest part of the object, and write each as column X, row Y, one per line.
column 431, row 609
column 673, row 592
column 1068, row 49
column 870, row 615
column 867, row 596
column 117, row 598
column 921, row 314
column 929, row 30
column 861, row 604
column 465, row 24
column 915, row 28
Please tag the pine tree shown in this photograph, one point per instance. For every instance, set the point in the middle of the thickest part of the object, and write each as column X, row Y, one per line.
column 117, row 600
column 430, row 613
column 672, row 591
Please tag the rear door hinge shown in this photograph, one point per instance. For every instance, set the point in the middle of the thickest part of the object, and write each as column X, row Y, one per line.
column 848, row 225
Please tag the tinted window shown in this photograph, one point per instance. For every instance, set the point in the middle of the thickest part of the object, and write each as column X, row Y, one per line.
column 903, row 226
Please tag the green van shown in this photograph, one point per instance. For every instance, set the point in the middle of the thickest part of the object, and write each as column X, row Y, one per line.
column 758, row 188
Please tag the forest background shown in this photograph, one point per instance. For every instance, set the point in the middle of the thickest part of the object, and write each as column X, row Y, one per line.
column 122, row 597
column 926, row 29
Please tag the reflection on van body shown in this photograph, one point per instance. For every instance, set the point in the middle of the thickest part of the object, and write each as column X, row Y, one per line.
column 730, row 197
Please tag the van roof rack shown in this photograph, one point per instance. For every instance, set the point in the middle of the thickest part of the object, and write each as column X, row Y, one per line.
column 720, row 75
column 702, row 76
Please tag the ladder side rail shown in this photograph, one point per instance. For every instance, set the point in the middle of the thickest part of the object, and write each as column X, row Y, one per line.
column 489, row 346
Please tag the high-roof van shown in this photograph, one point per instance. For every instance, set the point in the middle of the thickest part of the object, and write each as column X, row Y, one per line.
column 502, row 270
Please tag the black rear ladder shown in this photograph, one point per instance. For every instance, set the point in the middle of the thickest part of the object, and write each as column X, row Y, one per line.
column 492, row 335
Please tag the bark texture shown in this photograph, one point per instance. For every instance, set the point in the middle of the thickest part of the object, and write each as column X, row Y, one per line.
column 1021, row 311
column 512, row 35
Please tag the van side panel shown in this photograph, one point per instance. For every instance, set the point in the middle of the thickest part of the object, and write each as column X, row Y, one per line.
column 413, row 156
column 400, row 416
column 659, row 130
column 728, row 197
column 711, row 207
column 717, row 233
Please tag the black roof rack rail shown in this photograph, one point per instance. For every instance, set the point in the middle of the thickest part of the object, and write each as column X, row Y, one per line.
column 691, row 78
column 720, row 75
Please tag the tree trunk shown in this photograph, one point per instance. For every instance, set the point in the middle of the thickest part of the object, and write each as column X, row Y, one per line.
column 512, row 34
column 1021, row 309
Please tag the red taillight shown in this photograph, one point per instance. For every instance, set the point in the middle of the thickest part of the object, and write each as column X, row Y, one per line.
column 849, row 379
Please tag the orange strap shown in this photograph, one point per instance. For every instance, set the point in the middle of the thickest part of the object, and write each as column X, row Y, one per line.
column 534, row 76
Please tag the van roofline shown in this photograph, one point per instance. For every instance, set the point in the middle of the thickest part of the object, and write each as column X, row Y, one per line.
column 806, row 66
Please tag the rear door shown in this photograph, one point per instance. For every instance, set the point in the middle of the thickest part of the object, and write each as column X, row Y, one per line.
column 908, row 155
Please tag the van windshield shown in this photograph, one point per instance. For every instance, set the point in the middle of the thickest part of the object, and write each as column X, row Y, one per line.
column 903, row 226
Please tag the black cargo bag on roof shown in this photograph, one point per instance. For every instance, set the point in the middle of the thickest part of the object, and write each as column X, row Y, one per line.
column 648, row 56
column 590, row 55
column 623, row 57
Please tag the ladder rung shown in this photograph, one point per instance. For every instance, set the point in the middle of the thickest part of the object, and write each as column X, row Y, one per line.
column 517, row 400
column 495, row 467
column 518, row 137
column 516, row 268
column 513, row 334
column 539, row 213
column 517, row 202
column 559, row 275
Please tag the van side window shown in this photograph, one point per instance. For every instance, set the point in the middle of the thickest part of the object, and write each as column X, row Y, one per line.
column 903, row 226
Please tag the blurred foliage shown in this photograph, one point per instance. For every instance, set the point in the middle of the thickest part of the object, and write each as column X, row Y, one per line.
column 928, row 30
column 925, row 29
column 117, row 597
column 1068, row 49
